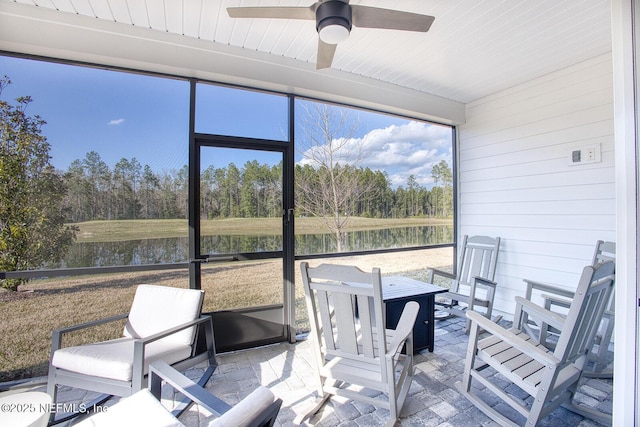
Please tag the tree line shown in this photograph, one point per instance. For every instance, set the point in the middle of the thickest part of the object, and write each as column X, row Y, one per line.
column 130, row 190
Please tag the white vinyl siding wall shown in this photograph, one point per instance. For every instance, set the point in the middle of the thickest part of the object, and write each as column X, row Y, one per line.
column 515, row 180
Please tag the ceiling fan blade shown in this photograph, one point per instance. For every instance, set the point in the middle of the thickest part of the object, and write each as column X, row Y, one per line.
column 373, row 17
column 272, row 12
column 325, row 54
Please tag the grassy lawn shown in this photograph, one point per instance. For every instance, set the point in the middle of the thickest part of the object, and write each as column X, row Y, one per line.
column 114, row 231
column 28, row 317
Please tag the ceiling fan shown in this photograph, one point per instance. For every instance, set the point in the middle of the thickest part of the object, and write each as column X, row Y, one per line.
column 334, row 19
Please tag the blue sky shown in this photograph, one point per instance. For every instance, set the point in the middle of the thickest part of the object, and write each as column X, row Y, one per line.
column 130, row 115
column 114, row 114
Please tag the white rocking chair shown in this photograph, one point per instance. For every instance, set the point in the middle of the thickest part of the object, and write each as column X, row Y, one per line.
column 551, row 378
column 474, row 283
column 351, row 344
column 557, row 299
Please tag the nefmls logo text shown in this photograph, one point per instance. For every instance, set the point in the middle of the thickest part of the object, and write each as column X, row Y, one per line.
column 62, row 408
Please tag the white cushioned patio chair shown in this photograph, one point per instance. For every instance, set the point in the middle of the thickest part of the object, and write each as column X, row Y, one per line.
column 164, row 323
column 351, row 345
column 473, row 285
column 558, row 300
column 144, row 408
column 550, row 378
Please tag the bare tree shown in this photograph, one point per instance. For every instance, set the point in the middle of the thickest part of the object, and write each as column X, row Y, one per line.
column 329, row 180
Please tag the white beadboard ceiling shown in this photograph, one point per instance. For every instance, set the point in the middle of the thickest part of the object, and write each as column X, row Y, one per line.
column 474, row 47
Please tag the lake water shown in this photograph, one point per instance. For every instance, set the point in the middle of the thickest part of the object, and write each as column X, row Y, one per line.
column 171, row 250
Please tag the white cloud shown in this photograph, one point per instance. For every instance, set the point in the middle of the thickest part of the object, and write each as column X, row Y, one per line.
column 115, row 122
column 410, row 149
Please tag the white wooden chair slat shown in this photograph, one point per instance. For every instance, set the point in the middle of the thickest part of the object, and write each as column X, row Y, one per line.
column 536, row 376
column 495, row 348
column 517, row 362
column 345, row 323
column 510, row 357
column 526, row 370
column 367, row 331
column 325, row 309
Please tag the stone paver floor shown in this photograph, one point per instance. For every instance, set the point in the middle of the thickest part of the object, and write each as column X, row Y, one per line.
column 433, row 399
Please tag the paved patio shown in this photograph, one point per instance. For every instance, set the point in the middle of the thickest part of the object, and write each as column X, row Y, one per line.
column 433, row 400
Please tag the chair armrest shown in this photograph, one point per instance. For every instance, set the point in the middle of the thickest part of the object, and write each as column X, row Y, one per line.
column 91, row 324
column 481, row 282
column 160, row 370
column 546, row 287
column 437, row 272
column 404, row 328
column 533, row 310
column 489, row 284
column 140, row 344
column 166, row 333
column 550, row 300
column 56, row 335
column 531, row 350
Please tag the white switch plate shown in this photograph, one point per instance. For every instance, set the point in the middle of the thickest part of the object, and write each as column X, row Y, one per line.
column 585, row 154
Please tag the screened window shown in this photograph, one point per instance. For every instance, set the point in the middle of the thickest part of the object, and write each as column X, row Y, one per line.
column 222, row 110
column 368, row 181
column 119, row 143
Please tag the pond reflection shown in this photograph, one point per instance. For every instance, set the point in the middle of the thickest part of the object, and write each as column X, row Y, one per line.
column 172, row 250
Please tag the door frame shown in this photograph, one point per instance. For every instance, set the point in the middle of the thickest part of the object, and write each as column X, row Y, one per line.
column 286, row 148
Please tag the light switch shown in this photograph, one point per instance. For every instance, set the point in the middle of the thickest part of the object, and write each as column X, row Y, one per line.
column 585, row 154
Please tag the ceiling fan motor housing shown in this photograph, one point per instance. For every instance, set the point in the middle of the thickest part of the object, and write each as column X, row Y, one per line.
column 333, row 12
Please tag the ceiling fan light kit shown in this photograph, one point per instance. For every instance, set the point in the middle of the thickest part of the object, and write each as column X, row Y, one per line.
column 333, row 21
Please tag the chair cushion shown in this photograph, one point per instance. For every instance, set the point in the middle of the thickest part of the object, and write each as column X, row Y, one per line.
column 158, row 308
column 114, row 359
column 247, row 411
column 140, row 409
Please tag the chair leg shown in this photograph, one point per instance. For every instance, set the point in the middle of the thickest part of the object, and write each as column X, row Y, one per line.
column 537, row 406
column 392, row 396
column 469, row 362
column 322, row 398
column 52, row 390
column 464, row 386
column 186, row 402
column 444, row 309
column 319, row 403
column 603, row 348
column 486, row 409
